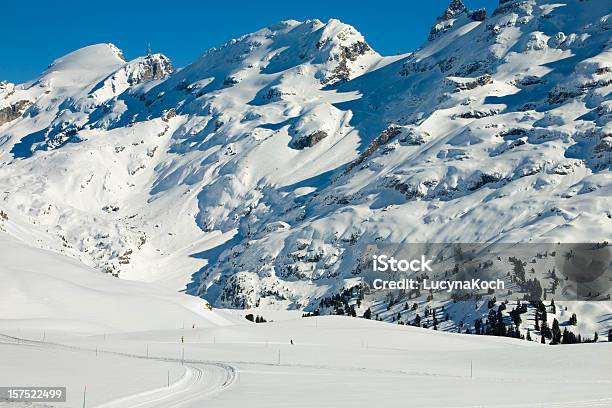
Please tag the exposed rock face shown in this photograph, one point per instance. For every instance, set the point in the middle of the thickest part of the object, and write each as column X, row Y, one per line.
column 310, row 140
column 230, row 81
column 135, row 72
column 343, row 52
column 468, row 84
column 478, row 114
column 383, row 138
column 410, row 191
column 601, row 156
column 478, row 15
column 447, row 19
column 13, row 111
column 276, row 93
column 155, row 66
column 506, row 6
column 169, row 114
column 342, row 72
column 454, row 11
column 455, row 8
column 413, row 137
column 355, row 50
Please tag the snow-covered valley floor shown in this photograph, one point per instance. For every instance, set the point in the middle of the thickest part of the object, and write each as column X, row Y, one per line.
column 333, row 361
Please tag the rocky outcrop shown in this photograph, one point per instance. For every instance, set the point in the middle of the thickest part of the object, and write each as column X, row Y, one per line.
column 155, row 66
column 169, row 114
column 138, row 71
column 478, row 15
column 342, row 71
column 601, row 155
column 276, row 93
column 382, row 139
column 454, row 10
column 465, row 84
column 414, row 137
column 230, row 81
column 13, row 111
column 407, row 189
column 356, row 49
column 310, row 140
column 477, row 114
column 446, row 20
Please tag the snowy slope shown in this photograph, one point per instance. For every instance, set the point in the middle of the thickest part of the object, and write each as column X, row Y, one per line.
column 43, row 290
column 248, row 176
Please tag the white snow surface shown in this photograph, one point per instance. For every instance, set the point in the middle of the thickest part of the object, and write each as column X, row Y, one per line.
column 49, row 291
column 333, row 361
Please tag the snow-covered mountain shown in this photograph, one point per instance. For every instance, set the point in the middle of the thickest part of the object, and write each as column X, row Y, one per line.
column 248, row 176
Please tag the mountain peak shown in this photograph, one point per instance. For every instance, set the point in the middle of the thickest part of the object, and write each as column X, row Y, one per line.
column 137, row 71
column 88, row 57
column 332, row 51
column 283, row 25
column 455, row 8
column 83, row 65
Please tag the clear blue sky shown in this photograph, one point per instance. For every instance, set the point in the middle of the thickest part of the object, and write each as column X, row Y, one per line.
column 34, row 33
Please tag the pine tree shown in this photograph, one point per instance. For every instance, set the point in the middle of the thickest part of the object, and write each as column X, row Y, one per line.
column 568, row 337
column 553, row 308
column 543, row 314
column 545, row 330
column 556, row 332
column 516, row 316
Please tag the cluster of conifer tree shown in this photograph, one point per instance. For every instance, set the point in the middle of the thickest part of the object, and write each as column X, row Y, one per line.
column 341, row 304
column 495, row 324
column 256, row 319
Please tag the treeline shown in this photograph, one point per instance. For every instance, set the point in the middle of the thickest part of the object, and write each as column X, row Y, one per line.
column 496, row 322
